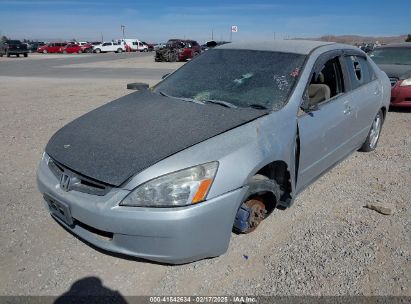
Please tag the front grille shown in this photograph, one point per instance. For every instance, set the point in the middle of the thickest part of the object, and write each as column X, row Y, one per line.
column 393, row 81
column 70, row 180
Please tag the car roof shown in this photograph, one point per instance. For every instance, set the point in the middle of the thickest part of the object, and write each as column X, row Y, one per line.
column 287, row 46
column 396, row 45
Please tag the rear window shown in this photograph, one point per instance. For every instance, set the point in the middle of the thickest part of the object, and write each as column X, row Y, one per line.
column 13, row 41
column 243, row 78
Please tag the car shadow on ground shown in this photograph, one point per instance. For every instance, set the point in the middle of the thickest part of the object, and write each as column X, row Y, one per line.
column 90, row 290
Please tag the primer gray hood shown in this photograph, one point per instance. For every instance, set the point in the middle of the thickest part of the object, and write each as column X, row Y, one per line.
column 120, row 139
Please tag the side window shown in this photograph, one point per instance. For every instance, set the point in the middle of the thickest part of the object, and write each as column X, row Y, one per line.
column 359, row 70
column 326, row 82
column 106, row 43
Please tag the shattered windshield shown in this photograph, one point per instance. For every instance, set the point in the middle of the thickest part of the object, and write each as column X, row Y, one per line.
column 236, row 78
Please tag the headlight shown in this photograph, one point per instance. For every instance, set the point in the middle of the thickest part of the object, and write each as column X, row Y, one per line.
column 406, row 82
column 45, row 158
column 181, row 188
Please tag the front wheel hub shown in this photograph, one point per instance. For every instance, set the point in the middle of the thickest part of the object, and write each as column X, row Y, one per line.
column 250, row 215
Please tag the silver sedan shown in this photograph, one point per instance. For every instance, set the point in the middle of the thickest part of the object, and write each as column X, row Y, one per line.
column 167, row 173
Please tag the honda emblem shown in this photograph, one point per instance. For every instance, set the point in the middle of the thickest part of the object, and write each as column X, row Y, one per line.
column 65, row 182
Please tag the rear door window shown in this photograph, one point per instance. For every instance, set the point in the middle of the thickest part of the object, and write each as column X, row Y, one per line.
column 359, row 70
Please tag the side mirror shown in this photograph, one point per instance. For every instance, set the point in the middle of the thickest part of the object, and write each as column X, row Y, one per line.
column 165, row 75
column 138, row 86
column 308, row 107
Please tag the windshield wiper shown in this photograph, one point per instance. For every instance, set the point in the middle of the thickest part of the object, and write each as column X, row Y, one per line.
column 221, row 103
column 180, row 98
column 257, row 106
column 165, row 95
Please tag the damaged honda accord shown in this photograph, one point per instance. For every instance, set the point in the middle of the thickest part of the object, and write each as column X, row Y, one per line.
column 167, row 173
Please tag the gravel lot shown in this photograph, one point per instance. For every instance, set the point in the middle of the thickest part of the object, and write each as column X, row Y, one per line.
column 326, row 244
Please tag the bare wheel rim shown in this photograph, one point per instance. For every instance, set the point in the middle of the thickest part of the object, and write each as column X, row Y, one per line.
column 375, row 131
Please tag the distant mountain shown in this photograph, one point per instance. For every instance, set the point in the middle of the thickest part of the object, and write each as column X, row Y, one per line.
column 356, row 39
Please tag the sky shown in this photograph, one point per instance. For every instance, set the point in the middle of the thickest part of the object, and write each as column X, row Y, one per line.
column 159, row 20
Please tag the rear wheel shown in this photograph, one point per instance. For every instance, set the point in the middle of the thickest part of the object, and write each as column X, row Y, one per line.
column 374, row 135
column 119, row 51
column 25, row 54
column 64, row 52
column 17, row 55
column 45, row 52
column 7, row 54
column 79, row 52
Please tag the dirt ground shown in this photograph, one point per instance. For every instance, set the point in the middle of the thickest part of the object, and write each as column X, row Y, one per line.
column 327, row 243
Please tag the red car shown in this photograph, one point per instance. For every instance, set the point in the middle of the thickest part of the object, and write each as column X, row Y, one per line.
column 71, row 48
column 53, row 47
column 395, row 61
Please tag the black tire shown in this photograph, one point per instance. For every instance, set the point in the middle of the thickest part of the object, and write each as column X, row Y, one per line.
column 25, row 54
column 1, row 55
column 256, row 204
column 45, row 52
column 64, row 52
column 7, row 54
column 17, row 55
column 119, row 51
column 374, row 134
column 98, row 51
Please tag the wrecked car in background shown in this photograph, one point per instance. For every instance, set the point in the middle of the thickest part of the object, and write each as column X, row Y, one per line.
column 395, row 60
column 178, row 50
column 168, row 172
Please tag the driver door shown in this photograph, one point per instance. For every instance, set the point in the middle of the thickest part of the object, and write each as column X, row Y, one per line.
column 324, row 130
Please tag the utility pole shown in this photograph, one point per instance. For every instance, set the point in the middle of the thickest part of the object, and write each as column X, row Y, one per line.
column 274, row 35
column 123, row 28
column 212, row 34
column 102, row 38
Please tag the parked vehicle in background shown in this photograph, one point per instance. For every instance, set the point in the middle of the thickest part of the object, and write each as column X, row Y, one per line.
column 86, row 47
column 13, row 47
column 135, row 44
column 150, row 47
column 395, row 61
column 190, row 49
column 178, row 50
column 108, row 46
column 96, row 43
column 127, row 177
column 70, row 49
column 159, row 46
column 52, row 47
column 33, row 46
column 367, row 47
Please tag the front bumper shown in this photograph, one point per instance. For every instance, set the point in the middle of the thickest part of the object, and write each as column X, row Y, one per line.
column 400, row 96
column 167, row 235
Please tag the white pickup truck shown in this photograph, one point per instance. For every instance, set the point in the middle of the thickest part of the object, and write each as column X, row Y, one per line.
column 108, row 47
